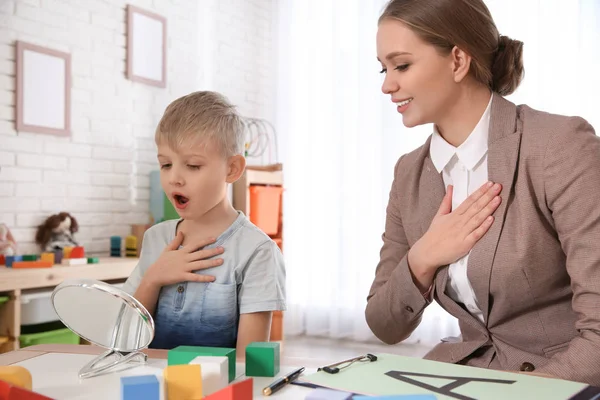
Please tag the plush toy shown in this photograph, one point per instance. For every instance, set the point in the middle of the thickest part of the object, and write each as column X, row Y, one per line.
column 8, row 246
column 57, row 232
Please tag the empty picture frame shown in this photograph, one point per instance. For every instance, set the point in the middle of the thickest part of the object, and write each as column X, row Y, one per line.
column 146, row 47
column 43, row 90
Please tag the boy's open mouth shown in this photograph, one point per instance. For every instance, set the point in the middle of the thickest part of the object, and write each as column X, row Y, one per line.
column 180, row 200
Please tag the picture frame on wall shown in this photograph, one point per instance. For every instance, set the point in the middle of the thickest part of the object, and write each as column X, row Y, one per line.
column 146, row 47
column 43, row 90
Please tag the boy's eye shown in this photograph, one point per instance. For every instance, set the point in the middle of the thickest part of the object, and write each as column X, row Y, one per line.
column 193, row 166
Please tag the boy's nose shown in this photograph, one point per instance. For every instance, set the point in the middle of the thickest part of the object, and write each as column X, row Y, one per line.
column 176, row 179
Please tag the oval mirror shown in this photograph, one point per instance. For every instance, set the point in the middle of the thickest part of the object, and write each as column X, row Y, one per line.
column 107, row 317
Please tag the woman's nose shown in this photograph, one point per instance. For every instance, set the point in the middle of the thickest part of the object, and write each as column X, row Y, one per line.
column 389, row 85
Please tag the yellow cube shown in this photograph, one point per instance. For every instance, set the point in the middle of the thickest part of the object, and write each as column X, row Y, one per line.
column 67, row 252
column 47, row 257
column 16, row 375
column 183, row 381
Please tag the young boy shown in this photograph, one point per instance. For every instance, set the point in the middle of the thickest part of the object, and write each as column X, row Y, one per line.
column 211, row 278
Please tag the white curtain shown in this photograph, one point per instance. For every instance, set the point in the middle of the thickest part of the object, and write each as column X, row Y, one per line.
column 340, row 137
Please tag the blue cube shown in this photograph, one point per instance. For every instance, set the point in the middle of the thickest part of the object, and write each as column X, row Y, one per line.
column 143, row 387
column 10, row 259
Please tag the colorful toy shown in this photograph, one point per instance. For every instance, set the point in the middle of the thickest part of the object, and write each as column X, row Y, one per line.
column 185, row 354
column 115, row 246
column 48, row 257
column 76, row 261
column 215, row 373
column 67, row 250
column 57, row 232
column 398, row 397
column 143, row 387
column 58, row 256
column 93, row 260
column 18, row 393
column 11, row 259
column 30, row 257
column 77, row 252
column 130, row 246
column 262, row 359
column 238, row 391
column 16, row 375
column 32, row 264
column 183, row 381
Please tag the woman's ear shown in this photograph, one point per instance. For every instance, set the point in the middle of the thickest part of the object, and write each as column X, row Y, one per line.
column 235, row 167
column 461, row 64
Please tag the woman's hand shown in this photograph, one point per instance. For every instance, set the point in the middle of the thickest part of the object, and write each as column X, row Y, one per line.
column 178, row 265
column 453, row 233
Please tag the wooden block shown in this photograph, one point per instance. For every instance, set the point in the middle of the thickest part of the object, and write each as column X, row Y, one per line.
column 185, row 354
column 32, row 264
column 215, row 373
column 238, row 391
column 76, row 261
column 143, row 387
column 18, row 393
column 11, row 259
column 49, row 257
column 262, row 359
column 77, row 252
column 93, row 260
column 2, row 259
column 16, row 375
column 67, row 252
column 183, row 381
column 4, row 389
column 30, row 257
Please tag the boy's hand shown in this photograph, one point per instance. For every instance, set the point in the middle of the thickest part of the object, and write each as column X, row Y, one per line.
column 177, row 265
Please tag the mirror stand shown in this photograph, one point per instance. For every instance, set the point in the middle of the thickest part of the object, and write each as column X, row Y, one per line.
column 93, row 368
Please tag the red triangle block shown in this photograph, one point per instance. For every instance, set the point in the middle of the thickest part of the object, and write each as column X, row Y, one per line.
column 237, row 391
column 9, row 392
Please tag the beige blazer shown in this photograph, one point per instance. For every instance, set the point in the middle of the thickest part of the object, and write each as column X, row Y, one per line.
column 536, row 272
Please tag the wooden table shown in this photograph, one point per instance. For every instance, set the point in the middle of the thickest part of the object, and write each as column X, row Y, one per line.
column 13, row 282
column 64, row 379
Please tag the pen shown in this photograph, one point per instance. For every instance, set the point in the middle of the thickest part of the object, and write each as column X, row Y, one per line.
column 278, row 384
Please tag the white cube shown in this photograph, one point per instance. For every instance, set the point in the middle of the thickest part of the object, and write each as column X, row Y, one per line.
column 75, row 261
column 215, row 373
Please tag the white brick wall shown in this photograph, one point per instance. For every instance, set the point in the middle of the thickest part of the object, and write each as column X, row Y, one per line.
column 100, row 173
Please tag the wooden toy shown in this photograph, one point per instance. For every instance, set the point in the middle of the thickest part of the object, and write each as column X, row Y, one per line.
column 32, row 264
column 76, row 261
column 16, row 375
column 215, row 373
column 48, row 257
column 93, row 260
column 2, row 259
column 185, row 354
column 77, row 252
column 11, row 259
column 67, row 252
column 262, row 359
column 238, row 391
column 143, row 387
column 130, row 246
column 183, row 381
column 58, row 256
column 115, row 246
column 18, row 393
column 30, row 257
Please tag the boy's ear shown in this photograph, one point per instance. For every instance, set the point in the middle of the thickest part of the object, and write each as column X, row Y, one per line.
column 236, row 167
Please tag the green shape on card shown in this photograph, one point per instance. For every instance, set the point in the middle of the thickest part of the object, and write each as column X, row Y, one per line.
column 184, row 354
column 262, row 359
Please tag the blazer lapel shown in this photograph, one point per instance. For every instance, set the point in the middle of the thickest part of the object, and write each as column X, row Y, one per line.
column 503, row 150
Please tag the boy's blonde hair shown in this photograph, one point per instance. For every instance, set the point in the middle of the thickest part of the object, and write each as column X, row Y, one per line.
column 202, row 117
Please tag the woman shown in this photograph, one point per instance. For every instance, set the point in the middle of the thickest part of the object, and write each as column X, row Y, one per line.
column 516, row 260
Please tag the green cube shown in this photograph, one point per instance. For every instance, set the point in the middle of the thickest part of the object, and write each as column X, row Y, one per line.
column 184, row 354
column 93, row 260
column 30, row 257
column 262, row 359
